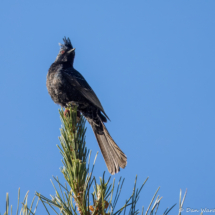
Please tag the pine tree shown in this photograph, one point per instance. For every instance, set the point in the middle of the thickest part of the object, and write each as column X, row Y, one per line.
column 81, row 193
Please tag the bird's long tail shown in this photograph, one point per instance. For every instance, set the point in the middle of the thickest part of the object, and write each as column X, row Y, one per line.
column 113, row 155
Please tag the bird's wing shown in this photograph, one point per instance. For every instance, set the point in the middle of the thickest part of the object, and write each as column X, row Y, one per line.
column 78, row 81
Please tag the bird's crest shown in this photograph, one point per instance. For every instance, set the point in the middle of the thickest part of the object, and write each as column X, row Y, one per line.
column 67, row 44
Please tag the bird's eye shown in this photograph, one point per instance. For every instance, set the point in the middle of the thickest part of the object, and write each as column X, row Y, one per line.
column 62, row 52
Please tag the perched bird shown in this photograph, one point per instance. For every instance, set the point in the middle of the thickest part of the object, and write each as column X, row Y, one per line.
column 67, row 86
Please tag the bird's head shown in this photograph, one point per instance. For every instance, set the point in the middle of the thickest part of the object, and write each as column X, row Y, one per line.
column 67, row 52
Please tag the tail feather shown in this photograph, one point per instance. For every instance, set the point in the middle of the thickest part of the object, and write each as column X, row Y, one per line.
column 121, row 157
column 113, row 155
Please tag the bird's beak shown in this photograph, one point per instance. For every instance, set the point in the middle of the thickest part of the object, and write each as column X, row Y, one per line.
column 71, row 50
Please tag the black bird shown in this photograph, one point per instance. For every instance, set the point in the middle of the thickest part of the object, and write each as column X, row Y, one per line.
column 67, row 86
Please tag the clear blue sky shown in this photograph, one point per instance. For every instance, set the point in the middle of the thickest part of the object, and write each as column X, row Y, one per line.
column 151, row 63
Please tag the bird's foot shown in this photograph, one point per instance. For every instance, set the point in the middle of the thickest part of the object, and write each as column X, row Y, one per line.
column 67, row 114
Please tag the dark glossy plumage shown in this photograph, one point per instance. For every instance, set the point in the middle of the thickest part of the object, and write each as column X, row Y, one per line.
column 66, row 85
